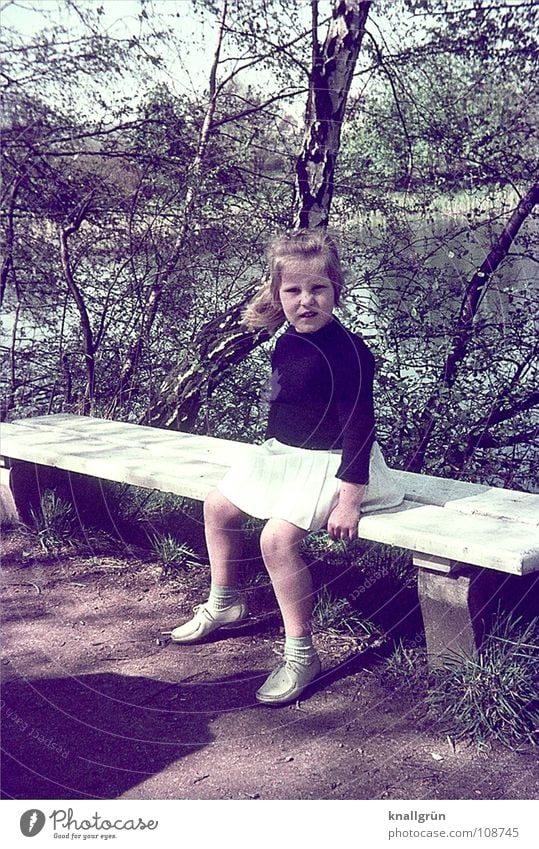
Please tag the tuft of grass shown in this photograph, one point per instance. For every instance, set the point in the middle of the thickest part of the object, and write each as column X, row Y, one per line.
column 493, row 696
column 377, row 560
column 150, row 509
column 173, row 555
column 54, row 522
column 407, row 665
column 337, row 616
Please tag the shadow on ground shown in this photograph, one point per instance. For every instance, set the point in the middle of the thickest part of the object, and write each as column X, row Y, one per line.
column 97, row 704
column 96, row 736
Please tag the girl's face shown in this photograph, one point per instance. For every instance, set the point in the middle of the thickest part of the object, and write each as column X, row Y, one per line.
column 307, row 294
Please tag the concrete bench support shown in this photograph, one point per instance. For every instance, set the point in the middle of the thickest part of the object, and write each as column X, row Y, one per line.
column 9, row 514
column 454, row 604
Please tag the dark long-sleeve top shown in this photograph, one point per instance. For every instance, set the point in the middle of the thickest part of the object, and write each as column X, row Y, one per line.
column 322, row 395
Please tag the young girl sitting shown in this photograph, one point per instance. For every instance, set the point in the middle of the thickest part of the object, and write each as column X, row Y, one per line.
column 320, row 465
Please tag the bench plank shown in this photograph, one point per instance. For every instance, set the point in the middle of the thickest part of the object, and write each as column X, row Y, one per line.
column 152, row 439
column 473, row 498
column 501, row 544
column 507, row 504
column 180, row 471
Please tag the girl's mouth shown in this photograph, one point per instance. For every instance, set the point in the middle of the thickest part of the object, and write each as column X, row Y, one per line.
column 307, row 315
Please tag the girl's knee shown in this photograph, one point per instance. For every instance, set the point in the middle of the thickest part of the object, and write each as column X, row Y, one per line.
column 279, row 538
column 219, row 510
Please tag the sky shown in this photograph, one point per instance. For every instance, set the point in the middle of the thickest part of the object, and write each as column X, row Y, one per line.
column 120, row 18
column 184, row 69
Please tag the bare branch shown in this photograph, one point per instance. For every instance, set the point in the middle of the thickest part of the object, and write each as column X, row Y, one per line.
column 465, row 320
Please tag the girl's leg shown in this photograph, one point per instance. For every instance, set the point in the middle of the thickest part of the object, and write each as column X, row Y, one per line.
column 222, row 523
column 222, row 527
column 292, row 584
column 290, row 576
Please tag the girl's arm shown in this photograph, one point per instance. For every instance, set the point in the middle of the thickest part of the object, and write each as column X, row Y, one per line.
column 354, row 379
column 344, row 518
column 354, row 386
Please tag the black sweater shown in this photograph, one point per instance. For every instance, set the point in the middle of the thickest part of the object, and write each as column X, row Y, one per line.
column 322, row 395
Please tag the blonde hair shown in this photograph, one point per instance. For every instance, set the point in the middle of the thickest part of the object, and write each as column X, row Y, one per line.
column 265, row 310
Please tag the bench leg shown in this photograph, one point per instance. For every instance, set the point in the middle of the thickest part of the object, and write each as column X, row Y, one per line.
column 28, row 481
column 453, row 606
column 8, row 509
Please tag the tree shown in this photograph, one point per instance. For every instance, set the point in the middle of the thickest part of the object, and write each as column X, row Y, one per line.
column 135, row 229
column 480, row 434
column 431, row 178
column 223, row 342
column 116, row 202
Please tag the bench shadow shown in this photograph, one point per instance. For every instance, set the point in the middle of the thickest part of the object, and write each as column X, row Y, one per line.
column 97, row 735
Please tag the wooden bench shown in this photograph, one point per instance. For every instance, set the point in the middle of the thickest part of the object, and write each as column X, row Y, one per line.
column 461, row 534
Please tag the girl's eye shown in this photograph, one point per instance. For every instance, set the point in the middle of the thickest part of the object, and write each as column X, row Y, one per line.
column 291, row 290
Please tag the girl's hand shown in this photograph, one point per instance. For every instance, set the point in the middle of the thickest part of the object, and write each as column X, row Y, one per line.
column 344, row 518
column 343, row 522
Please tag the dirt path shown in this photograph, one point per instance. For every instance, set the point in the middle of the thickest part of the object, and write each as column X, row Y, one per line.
column 96, row 704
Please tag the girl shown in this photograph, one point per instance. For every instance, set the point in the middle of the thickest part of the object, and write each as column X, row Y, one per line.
column 319, row 466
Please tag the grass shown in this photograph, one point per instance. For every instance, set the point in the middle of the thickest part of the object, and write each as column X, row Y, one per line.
column 495, row 695
column 336, row 616
column 490, row 697
column 319, row 546
column 54, row 522
column 407, row 665
column 173, row 555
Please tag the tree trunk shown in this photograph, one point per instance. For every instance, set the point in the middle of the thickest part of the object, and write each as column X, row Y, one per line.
column 220, row 344
column 331, row 76
column 223, row 342
column 475, row 291
column 64, row 232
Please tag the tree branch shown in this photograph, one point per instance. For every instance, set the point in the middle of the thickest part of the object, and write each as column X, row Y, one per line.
column 464, row 323
column 7, row 263
column 89, row 346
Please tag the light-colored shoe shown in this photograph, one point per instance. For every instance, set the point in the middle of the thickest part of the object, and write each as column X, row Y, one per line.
column 205, row 621
column 288, row 680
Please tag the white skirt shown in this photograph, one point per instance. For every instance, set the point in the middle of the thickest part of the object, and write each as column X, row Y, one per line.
column 278, row 481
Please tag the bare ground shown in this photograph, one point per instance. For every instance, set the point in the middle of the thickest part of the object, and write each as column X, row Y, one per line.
column 97, row 704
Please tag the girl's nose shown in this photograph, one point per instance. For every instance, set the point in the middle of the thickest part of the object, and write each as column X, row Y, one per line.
column 307, row 298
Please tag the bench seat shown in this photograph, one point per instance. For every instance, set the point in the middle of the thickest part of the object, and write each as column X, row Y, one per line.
column 450, row 526
column 506, row 539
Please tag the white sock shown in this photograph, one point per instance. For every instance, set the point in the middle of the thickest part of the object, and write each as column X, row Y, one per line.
column 299, row 648
column 222, row 597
